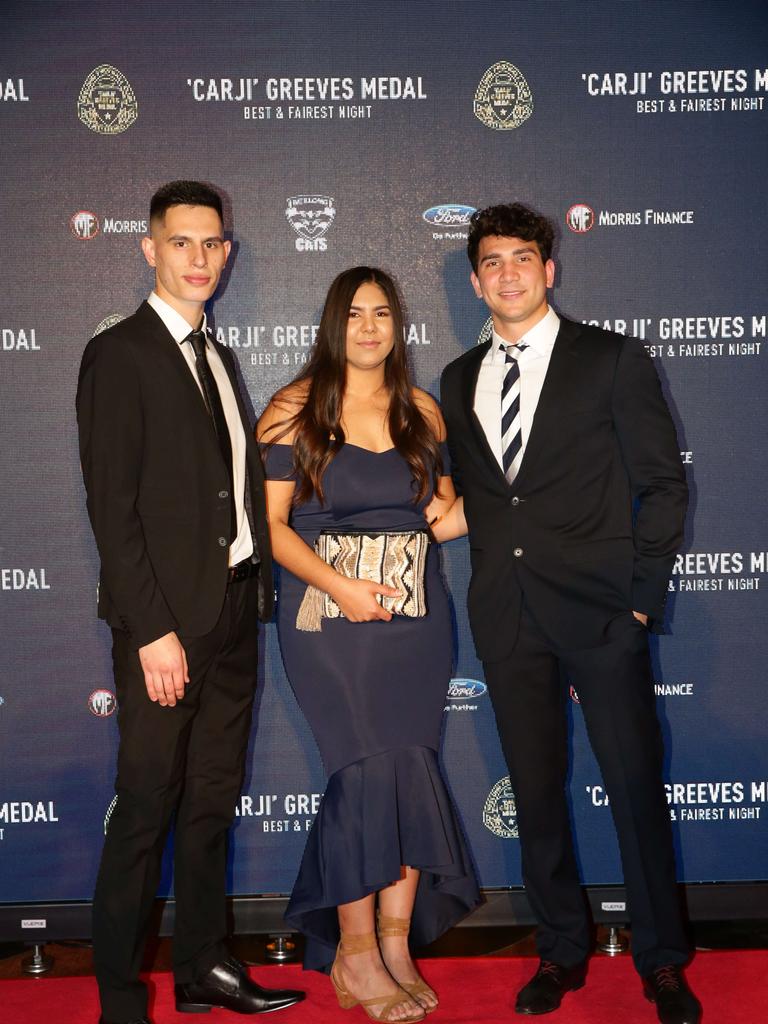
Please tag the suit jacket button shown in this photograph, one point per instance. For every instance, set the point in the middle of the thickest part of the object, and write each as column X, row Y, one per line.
column 223, row 494
column 515, row 501
column 222, row 542
column 518, row 552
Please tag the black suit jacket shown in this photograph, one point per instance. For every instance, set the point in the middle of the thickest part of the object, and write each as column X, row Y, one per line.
column 590, row 527
column 157, row 485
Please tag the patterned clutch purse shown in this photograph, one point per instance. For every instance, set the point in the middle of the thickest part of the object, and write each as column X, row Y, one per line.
column 395, row 558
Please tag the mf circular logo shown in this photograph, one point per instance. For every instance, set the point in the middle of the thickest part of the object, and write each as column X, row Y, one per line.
column 102, row 703
column 503, row 100
column 580, row 218
column 106, row 103
column 84, row 225
column 500, row 810
column 310, row 217
column 108, row 321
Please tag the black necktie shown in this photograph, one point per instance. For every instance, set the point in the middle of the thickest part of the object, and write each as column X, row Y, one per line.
column 216, row 410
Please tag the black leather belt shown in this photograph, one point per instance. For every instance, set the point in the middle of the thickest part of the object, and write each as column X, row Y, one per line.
column 242, row 571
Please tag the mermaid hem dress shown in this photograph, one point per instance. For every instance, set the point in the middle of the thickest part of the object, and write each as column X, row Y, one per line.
column 373, row 694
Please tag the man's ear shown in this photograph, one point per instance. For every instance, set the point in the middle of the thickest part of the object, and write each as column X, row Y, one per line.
column 476, row 284
column 148, row 248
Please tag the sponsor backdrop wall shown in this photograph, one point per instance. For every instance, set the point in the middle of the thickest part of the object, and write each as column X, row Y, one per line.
column 352, row 132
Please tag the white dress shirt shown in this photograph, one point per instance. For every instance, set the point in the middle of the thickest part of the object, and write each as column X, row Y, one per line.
column 242, row 546
column 533, row 363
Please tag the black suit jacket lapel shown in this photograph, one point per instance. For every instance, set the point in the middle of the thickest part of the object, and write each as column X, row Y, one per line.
column 557, row 383
column 162, row 337
column 470, row 373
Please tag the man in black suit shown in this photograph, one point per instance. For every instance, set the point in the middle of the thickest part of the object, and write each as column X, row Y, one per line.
column 176, row 499
column 557, row 431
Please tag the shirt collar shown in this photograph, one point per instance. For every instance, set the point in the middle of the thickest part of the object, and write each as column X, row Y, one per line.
column 540, row 339
column 175, row 323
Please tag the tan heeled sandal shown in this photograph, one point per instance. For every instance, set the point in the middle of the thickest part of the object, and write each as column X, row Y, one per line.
column 389, row 927
column 349, row 945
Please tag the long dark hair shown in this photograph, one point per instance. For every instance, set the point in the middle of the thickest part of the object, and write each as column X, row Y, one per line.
column 319, row 434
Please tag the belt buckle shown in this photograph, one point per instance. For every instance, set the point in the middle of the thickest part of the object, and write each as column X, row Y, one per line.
column 242, row 571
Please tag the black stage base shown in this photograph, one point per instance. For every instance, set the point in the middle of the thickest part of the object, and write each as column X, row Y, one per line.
column 38, row 923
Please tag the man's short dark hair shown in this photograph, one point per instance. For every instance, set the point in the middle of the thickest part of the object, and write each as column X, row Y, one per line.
column 510, row 220
column 184, row 193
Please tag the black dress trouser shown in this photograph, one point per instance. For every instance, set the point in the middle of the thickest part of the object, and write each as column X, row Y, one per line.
column 189, row 759
column 614, row 683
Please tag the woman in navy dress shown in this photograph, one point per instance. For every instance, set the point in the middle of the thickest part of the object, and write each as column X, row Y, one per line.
column 352, row 445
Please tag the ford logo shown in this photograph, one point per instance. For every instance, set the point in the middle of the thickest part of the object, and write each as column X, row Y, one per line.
column 449, row 215
column 466, row 689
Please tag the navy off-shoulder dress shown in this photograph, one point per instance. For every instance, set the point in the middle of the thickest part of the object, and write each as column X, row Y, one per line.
column 373, row 694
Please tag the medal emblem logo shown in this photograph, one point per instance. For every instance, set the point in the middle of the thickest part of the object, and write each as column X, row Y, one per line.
column 106, row 103
column 503, row 99
column 500, row 810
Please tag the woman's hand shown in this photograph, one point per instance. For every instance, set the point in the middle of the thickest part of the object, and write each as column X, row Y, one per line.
column 357, row 599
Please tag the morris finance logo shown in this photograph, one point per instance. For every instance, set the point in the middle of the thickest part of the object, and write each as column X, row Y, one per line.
column 503, row 99
column 580, row 218
column 310, row 217
column 107, row 104
column 500, row 810
column 102, row 703
column 84, row 225
column 449, row 215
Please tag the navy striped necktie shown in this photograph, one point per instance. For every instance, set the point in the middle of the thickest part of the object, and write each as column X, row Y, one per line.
column 511, row 435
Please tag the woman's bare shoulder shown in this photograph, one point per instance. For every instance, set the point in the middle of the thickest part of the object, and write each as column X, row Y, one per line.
column 275, row 423
column 430, row 410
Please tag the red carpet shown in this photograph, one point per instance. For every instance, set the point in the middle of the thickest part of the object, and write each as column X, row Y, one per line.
column 732, row 986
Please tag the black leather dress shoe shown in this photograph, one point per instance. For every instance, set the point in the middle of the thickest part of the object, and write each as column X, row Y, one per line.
column 675, row 1003
column 228, row 986
column 545, row 991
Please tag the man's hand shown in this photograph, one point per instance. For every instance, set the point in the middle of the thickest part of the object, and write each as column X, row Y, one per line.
column 641, row 617
column 164, row 662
